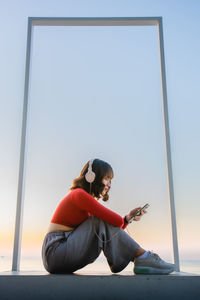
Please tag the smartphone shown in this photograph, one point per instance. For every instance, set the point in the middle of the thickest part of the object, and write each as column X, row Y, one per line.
column 138, row 212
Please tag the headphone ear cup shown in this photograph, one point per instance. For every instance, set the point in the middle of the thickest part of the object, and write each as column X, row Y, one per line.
column 90, row 176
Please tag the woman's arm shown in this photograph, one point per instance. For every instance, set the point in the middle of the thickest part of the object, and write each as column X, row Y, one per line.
column 86, row 202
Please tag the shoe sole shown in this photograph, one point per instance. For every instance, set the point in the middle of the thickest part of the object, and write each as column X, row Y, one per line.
column 150, row 270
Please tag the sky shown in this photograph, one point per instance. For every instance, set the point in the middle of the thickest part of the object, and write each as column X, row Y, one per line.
column 96, row 92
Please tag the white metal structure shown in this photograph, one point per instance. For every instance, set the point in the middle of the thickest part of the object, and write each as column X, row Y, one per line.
column 129, row 21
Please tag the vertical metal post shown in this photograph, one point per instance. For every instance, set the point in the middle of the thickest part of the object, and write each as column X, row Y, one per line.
column 168, row 147
column 20, row 193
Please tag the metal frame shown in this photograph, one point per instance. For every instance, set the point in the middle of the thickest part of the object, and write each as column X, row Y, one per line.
column 130, row 21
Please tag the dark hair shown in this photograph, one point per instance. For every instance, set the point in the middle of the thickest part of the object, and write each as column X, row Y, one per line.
column 101, row 169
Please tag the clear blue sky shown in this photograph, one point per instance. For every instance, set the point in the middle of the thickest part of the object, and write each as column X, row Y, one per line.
column 95, row 92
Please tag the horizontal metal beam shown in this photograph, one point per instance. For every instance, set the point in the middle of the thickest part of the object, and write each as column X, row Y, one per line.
column 137, row 21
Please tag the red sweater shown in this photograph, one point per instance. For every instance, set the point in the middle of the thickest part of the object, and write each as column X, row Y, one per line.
column 78, row 205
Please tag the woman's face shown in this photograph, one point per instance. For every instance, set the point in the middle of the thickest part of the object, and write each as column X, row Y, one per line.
column 107, row 182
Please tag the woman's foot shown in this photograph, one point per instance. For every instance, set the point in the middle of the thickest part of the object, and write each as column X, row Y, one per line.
column 152, row 264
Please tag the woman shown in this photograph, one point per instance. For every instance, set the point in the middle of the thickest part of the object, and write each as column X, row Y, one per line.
column 81, row 228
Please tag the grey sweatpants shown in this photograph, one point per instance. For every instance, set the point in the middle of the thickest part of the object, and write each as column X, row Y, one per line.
column 66, row 252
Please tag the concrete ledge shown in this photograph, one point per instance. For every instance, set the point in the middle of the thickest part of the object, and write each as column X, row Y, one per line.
column 32, row 286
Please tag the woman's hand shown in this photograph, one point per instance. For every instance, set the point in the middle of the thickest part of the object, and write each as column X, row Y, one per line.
column 132, row 212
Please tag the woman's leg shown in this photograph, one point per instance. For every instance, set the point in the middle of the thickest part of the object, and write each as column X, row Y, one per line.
column 76, row 249
column 66, row 252
column 118, row 247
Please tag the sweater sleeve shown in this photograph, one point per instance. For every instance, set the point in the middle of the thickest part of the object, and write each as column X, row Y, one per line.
column 87, row 203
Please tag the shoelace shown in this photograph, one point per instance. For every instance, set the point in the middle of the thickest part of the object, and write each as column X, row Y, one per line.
column 156, row 256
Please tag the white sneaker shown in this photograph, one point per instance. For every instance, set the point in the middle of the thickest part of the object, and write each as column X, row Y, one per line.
column 152, row 264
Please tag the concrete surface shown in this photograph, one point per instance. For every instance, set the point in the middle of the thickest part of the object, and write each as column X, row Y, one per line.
column 41, row 285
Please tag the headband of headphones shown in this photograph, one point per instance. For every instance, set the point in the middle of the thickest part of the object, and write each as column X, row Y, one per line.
column 90, row 175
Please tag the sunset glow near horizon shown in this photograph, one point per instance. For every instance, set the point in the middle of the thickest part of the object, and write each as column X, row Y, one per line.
column 95, row 93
